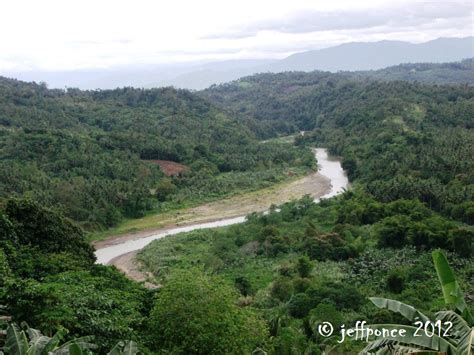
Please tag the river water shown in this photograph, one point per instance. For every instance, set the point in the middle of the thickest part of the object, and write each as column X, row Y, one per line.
column 328, row 166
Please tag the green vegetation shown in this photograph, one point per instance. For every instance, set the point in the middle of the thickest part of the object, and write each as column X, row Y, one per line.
column 309, row 261
column 196, row 312
column 50, row 279
column 18, row 343
column 436, row 73
column 400, row 140
column 86, row 153
column 265, row 285
column 32, row 341
column 454, row 327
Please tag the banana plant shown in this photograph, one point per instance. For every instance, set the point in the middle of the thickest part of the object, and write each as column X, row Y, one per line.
column 128, row 347
column 457, row 340
column 33, row 342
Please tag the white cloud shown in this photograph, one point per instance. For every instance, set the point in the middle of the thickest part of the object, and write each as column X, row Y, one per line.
column 74, row 34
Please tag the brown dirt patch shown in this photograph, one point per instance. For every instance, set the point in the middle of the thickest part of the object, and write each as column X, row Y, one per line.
column 170, row 168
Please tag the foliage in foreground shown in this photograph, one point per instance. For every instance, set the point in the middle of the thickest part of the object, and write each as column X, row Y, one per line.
column 310, row 263
column 454, row 328
column 33, row 342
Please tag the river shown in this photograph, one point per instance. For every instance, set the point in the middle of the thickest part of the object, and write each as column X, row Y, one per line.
column 328, row 166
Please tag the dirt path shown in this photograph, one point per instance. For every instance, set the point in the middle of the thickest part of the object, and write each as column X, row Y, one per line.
column 314, row 184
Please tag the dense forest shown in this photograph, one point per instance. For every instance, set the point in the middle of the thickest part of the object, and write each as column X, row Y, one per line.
column 88, row 153
column 435, row 73
column 398, row 139
column 263, row 286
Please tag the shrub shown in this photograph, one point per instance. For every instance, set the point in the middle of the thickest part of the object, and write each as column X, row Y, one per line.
column 196, row 313
column 326, row 312
column 393, row 231
column 299, row 305
column 463, row 242
column 243, row 285
column 395, row 281
column 281, row 289
column 328, row 246
column 301, row 284
column 304, row 266
column 342, row 296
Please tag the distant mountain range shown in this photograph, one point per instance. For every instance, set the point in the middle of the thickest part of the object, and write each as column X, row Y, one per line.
column 345, row 57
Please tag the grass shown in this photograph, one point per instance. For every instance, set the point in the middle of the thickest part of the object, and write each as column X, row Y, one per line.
column 202, row 247
column 190, row 212
column 284, row 139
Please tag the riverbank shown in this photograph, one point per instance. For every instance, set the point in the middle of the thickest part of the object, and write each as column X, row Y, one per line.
column 177, row 214
column 220, row 213
column 120, row 250
column 315, row 184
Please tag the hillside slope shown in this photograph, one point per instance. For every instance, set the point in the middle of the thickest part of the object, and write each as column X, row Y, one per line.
column 401, row 139
column 87, row 152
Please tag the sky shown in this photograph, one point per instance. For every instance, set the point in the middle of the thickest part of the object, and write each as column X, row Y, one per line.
column 59, row 35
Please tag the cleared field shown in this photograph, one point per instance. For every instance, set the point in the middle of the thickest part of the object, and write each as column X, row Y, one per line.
column 169, row 168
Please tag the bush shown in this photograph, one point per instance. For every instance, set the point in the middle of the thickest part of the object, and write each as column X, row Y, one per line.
column 304, row 266
column 395, row 281
column 299, row 305
column 165, row 189
column 301, row 284
column 326, row 312
column 393, row 231
column 328, row 246
column 342, row 296
column 281, row 289
column 196, row 313
column 243, row 285
column 463, row 242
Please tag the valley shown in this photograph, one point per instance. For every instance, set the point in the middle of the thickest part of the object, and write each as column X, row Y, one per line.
column 171, row 222
column 120, row 251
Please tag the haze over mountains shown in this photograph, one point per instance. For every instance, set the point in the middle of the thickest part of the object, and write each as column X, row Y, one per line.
column 353, row 56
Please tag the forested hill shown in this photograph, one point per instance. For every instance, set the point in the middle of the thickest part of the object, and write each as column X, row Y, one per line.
column 273, row 104
column 400, row 139
column 87, row 152
column 435, row 73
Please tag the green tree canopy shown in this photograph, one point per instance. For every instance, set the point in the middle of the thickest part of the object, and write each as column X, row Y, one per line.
column 196, row 314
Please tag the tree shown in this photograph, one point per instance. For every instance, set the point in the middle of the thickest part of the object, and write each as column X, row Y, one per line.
column 101, row 302
column 458, row 340
column 393, row 231
column 299, row 305
column 463, row 242
column 47, row 230
column 243, row 285
column 304, row 266
column 196, row 313
column 165, row 189
column 396, row 281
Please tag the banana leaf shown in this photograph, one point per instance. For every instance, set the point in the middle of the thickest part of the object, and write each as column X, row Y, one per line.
column 16, row 343
column 131, row 348
column 409, row 312
column 452, row 293
column 409, row 339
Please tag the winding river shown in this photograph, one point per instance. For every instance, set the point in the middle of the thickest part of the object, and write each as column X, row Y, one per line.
column 328, row 166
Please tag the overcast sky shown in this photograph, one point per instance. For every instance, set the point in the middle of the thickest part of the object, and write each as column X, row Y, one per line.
column 79, row 34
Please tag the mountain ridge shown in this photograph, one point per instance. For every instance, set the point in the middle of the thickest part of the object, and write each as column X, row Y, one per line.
column 351, row 56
